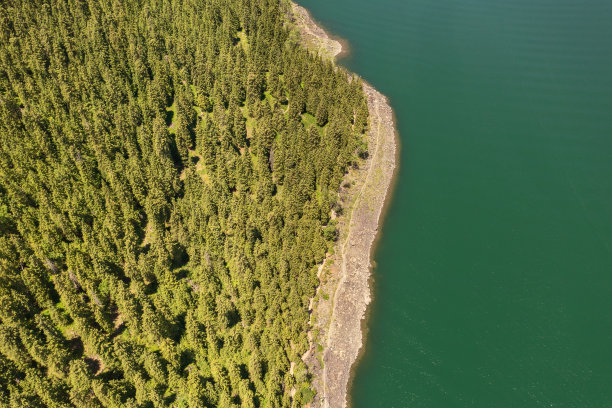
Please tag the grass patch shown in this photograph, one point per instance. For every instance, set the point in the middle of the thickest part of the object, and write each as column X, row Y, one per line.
column 170, row 111
column 243, row 40
column 269, row 98
column 308, row 120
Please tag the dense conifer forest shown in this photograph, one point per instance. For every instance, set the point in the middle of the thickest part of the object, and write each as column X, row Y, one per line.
column 167, row 173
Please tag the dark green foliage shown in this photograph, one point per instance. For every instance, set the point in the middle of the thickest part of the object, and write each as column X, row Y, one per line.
column 164, row 198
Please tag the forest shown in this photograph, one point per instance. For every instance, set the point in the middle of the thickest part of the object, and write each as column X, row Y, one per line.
column 168, row 174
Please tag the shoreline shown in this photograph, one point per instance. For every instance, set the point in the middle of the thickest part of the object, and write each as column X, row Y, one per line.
column 340, row 308
column 353, row 294
column 374, row 247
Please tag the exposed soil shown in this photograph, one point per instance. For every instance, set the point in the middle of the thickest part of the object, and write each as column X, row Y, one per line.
column 339, row 307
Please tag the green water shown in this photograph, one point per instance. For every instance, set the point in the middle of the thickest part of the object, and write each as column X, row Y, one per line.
column 494, row 279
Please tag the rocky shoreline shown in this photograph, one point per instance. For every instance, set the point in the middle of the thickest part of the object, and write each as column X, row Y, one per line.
column 338, row 309
column 312, row 36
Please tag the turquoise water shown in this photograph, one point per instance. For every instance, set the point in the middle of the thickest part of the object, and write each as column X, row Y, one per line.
column 494, row 278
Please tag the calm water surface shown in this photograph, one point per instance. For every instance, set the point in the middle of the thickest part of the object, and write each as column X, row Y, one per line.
column 494, row 279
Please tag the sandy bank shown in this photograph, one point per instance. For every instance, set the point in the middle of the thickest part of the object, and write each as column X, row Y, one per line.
column 342, row 298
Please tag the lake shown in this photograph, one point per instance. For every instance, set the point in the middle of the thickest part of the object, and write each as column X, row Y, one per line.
column 494, row 279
